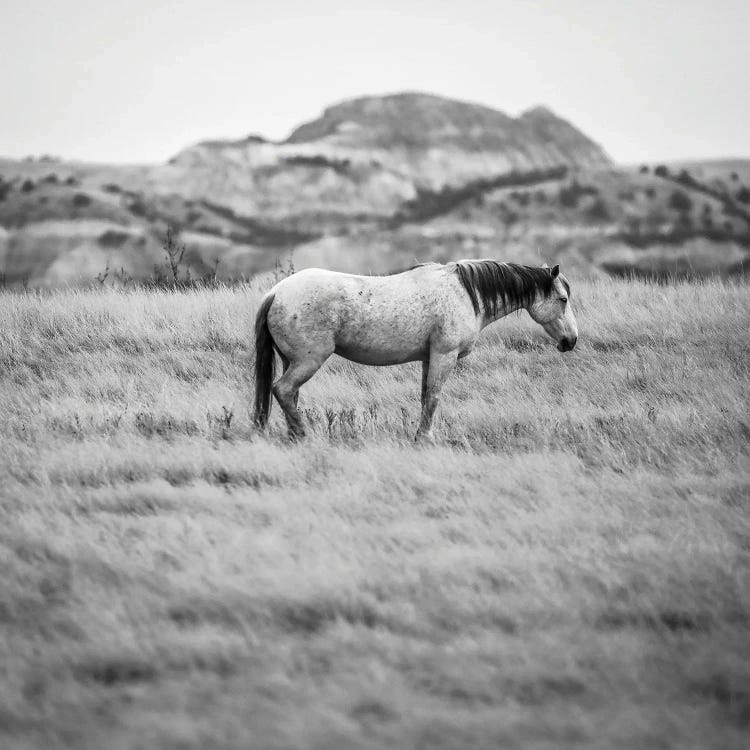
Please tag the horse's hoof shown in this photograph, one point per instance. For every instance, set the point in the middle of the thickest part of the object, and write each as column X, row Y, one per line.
column 424, row 437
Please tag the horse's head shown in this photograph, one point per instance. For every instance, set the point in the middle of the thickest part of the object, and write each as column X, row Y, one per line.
column 554, row 313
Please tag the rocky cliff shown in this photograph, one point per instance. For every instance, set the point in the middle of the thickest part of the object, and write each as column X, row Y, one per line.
column 368, row 155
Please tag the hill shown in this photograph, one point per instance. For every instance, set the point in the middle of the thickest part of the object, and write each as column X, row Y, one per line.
column 373, row 184
column 566, row 566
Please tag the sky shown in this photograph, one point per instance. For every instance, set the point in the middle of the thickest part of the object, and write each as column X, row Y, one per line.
column 138, row 80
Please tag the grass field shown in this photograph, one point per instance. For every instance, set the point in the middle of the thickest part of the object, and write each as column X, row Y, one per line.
column 568, row 566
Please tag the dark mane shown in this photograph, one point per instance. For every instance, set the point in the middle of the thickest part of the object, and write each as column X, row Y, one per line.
column 492, row 285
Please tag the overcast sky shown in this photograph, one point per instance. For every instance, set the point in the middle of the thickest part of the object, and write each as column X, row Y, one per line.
column 137, row 80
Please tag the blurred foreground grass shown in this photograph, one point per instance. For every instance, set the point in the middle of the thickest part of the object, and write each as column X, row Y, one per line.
column 568, row 566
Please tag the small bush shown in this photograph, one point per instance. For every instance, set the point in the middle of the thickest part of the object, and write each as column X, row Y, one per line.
column 598, row 211
column 338, row 165
column 569, row 195
column 685, row 177
column 80, row 200
column 661, row 171
column 510, row 218
column 113, row 238
column 137, row 207
column 27, row 186
column 680, row 201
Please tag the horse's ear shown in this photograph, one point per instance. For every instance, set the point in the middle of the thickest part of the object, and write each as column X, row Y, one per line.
column 544, row 265
column 555, row 271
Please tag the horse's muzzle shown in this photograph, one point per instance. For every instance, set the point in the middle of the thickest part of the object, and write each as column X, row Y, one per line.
column 566, row 344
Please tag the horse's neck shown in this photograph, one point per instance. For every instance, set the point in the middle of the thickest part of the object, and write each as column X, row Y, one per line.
column 501, row 313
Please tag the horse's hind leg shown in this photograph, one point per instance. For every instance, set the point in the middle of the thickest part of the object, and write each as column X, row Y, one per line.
column 285, row 365
column 286, row 390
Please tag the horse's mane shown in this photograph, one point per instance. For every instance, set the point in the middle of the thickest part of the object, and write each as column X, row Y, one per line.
column 492, row 285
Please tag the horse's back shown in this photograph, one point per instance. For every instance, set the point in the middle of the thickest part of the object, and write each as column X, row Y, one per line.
column 344, row 290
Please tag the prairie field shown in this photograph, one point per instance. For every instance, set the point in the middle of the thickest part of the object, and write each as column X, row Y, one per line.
column 568, row 565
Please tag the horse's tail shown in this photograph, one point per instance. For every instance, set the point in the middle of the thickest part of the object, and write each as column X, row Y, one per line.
column 265, row 363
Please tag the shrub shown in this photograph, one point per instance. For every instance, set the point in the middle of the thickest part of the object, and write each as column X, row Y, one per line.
column 27, row 186
column 510, row 218
column 633, row 225
column 598, row 211
column 113, row 238
column 338, row 165
column 569, row 195
column 80, row 200
column 743, row 195
column 175, row 252
column 661, row 171
column 137, row 207
column 680, row 201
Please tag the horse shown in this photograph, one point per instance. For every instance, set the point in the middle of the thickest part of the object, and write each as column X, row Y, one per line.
column 432, row 313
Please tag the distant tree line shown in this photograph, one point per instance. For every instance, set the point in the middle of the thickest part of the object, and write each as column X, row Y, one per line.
column 728, row 201
column 430, row 203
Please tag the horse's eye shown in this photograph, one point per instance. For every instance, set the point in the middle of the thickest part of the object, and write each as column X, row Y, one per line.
column 563, row 299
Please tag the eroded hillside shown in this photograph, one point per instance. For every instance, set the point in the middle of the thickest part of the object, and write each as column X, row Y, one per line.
column 374, row 184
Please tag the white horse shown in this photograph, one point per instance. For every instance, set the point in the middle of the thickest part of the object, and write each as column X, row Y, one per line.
column 432, row 313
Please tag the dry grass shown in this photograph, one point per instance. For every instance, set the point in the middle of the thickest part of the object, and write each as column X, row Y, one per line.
column 568, row 566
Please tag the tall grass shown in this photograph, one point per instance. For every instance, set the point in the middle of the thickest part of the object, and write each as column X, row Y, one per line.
column 569, row 565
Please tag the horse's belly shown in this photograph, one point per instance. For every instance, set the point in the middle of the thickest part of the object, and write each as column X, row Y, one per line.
column 386, row 353
column 380, row 357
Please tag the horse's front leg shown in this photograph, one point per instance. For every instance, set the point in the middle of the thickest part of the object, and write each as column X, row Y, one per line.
column 434, row 374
